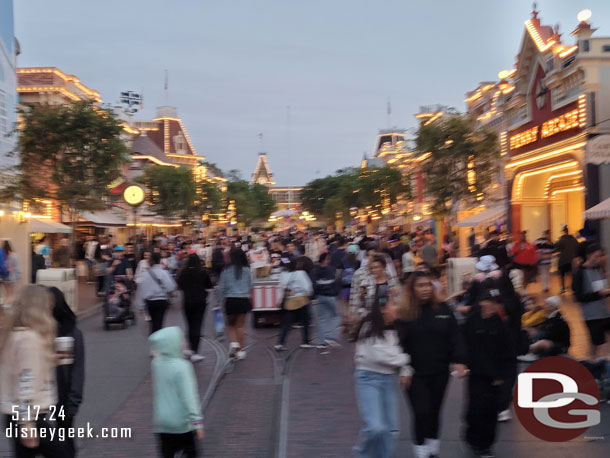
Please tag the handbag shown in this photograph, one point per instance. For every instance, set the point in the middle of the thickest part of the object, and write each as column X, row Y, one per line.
column 295, row 303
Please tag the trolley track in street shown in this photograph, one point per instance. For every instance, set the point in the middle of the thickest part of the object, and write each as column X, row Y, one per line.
column 277, row 429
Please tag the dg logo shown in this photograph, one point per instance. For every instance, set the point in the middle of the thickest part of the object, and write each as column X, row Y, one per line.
column 557, row 399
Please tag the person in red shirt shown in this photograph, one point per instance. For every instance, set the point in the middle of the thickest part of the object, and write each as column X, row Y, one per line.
column 525, row 258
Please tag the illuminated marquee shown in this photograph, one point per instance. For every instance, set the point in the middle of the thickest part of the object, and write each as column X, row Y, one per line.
column 570, row 120
column 561, row 123
column 524, row 138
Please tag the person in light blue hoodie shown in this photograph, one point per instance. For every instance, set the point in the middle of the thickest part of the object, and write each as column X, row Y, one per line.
column 177, row 417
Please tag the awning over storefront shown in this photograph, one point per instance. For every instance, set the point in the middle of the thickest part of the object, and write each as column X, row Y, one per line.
column 486, row 217
column 599, row 211
column 47, row 226
column 107, row 218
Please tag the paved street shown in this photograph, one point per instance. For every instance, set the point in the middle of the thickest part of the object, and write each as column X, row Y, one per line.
column 298, row 404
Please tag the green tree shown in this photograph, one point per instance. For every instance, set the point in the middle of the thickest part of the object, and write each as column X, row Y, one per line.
column 462, row 164
column 209, row 198
column 252, row 201
column 172, row 191
column 352, row 187
column 68, row 153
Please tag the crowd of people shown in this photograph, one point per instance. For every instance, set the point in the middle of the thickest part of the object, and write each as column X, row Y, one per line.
column 385, row 292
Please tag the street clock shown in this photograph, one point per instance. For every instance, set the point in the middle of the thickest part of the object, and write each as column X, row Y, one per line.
column 133, row 195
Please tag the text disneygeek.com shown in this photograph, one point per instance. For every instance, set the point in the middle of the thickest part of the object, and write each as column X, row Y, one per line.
column 61, row 434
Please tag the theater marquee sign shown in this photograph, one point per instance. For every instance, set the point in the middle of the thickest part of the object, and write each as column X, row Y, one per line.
column 567, row 121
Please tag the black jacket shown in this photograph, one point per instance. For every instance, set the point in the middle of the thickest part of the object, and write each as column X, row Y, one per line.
column 193, row 283
column 497, row 249
column 578, row 285
column 487, row 346
column 70, row 377
column 324, row 281
column 555, row 329
column 511, row 303
column 432, row 340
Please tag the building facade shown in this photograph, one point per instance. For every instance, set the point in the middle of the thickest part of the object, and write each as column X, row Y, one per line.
column 9, row 49
column 561, row 97
column 285, row 197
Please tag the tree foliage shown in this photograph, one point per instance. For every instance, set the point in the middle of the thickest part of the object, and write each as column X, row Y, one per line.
column 463, row 162
column 172, row 191
column 352, row 187
column 252, row 201
column 209, row 198
column 68, row 153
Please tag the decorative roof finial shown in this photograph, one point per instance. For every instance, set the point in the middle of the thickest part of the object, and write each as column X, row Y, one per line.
column 534, row 10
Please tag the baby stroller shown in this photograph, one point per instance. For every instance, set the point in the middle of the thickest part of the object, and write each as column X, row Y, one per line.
column 117, row 304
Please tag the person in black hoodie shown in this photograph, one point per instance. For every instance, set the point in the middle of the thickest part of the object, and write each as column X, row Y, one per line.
column 325, row 288
column 194, row 281
column 70, row 377
column 428, row 331
column 489, row 359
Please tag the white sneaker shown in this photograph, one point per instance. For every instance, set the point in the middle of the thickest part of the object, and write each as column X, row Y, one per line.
column 306, row 345
column 195, row 358
column 279, row 347
column 420, row 451
column 241, row 354
column 505, row 415
column 233, row 348
column 527, row 358
column 188, row 353
column 332, row 343
column 433, row 447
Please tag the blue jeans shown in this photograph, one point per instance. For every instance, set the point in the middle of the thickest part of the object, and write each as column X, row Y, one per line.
column 328, row 318
column 377, row 396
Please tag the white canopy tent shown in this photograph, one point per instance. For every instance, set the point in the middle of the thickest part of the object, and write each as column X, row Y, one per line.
column 47, row 226
column 599, row 211
column 486, row 217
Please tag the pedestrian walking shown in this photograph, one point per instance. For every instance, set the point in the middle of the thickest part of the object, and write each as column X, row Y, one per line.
column 62, row 256
column 42, row 248
column 13, row 272
column 325, row 289
column 429, row 254
column 194, row 282
column 379, row 360
column 545, row 248
column 27, row 355
column 70, row 377
column 429, row 333
column 372, row 283
column 295, row 291
column 408, row 263
column 236, row 288
column 489, row 359
column 156, row 286
column 177, row 417
column 525, row 258
column 91, row 247
column 349, row 266
column 567, row 245
column 591, row 289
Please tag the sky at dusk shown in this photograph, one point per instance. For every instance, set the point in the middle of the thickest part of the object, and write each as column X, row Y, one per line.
column 236, row 66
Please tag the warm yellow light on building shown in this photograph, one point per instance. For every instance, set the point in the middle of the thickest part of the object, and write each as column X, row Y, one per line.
column 524, row 175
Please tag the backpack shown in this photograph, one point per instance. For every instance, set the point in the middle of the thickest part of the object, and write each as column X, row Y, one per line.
column 347, row 275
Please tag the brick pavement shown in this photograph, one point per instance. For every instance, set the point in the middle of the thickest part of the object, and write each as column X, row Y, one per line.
column 241, row 417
